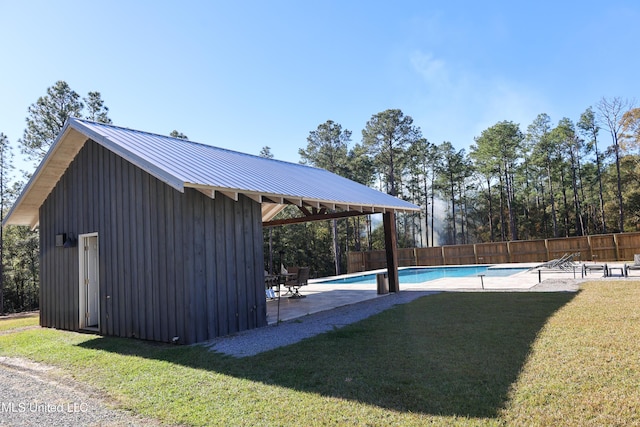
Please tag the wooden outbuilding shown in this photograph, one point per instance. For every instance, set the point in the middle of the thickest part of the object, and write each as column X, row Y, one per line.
column 159, row 238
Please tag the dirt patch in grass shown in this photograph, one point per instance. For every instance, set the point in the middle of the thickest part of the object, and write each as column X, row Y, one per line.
column 23, row 314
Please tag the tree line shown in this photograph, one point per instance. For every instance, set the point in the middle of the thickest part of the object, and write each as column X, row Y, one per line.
column 549, row 180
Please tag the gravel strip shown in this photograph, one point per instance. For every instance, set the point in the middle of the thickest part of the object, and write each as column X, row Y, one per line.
column 33, row 394
column 255, row 341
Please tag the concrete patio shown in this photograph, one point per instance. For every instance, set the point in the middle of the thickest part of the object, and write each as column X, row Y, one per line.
column 321, row 296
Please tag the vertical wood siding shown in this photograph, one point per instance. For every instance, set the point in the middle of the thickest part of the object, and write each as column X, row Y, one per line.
column 171, row 264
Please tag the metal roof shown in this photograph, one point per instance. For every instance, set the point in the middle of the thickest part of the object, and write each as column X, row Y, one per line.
column 181, row 163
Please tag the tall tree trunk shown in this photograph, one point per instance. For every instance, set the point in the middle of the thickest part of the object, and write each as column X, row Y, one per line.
column 453, row 209
column 503, row 225
column 461, row 209
column 392, row 171
column 553, row 200
column 564, row 200
column 582, row 198
column 543, row 208
column 526, row 206
column 491, row 230
column 466, row 216
column 336, row 246
column 510, row 199
column 576, row 201
column 271, row 270
column 432, row 210
column 426, row 207
column 620, row 207
column 369, row 232
column 604, row 221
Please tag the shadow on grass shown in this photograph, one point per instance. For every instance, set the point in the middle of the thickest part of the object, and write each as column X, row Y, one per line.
column 451, row 354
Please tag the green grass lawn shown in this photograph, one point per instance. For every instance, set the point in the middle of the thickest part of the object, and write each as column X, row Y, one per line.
column 464, row 359
column 18, row 321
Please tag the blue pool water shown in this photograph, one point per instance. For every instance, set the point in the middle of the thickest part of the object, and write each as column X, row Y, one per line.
column 424, row 274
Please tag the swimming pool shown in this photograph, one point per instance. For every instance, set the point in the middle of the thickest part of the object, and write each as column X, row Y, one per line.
column 424, row 274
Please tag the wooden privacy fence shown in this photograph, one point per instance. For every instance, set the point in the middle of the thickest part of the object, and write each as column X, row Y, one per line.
column 603, row 247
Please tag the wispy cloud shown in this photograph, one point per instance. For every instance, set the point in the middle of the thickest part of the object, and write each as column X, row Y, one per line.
column 457, row 105
column 433, row 70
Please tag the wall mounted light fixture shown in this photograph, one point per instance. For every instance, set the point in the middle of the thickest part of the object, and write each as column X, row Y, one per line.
column 70, row 241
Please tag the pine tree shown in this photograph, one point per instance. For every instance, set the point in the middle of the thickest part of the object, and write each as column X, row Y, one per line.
column 5, row 167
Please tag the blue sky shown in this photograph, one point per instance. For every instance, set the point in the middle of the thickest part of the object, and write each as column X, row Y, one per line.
column 248, row 74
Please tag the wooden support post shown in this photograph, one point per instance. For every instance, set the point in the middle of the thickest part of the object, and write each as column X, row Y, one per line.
column 391, row 246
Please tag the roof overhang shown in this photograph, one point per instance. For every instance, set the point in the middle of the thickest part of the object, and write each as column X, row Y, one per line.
column 272, row 204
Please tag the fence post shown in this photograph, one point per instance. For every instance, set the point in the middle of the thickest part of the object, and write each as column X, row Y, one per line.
column 546, row 247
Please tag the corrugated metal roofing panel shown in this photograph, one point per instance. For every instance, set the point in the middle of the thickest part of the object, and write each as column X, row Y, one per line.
column 205, row 165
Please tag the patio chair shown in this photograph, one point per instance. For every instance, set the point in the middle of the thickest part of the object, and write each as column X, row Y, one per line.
column 586, row 268
column 296, row 283
column 634, row 266
column 287, row 274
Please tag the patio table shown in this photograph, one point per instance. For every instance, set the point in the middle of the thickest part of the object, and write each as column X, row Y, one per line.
column 610, row 271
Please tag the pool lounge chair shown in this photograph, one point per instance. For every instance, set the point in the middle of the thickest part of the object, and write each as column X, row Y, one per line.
column 566, row 263
column 634, row 266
